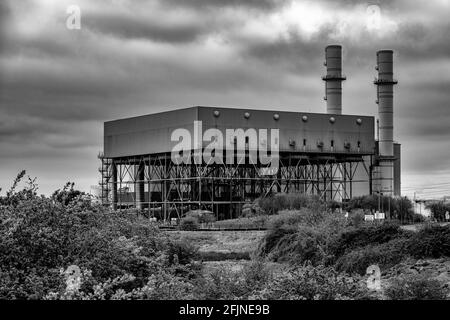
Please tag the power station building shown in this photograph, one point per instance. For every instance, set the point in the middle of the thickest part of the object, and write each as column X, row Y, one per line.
column 331, row 155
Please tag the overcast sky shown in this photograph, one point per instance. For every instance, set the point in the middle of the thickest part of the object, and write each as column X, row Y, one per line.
column 57, row 86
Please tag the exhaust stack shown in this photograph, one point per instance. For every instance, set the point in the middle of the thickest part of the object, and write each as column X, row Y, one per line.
column 385, row 99
column 333, row 79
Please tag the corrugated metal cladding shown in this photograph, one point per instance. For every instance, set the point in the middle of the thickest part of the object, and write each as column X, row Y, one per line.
column 151, row 134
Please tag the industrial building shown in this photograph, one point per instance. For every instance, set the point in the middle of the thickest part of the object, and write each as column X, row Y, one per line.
column 331, row 155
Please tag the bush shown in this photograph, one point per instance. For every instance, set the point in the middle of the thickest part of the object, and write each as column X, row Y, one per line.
column 223, row 283
column 313, row 283
column 189, row 224
column 431, row 242
column 273, row 239
column 438, row 209
column 385, row 255
column 299, row 236
column 180, row 252
column 302, row 245
column 40, row 237
column 356, row 218
column 275, row 203
column 415, row 287
column 363, row 236
column 400, row 208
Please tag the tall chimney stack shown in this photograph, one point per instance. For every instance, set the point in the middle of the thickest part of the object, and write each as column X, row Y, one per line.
column 333, row 79
column 385, row 99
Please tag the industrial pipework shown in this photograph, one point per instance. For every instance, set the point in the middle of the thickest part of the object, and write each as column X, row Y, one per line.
column 333, row 79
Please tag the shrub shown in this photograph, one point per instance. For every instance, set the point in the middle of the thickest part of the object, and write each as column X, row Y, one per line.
column 180, row 252
column 395, row 208
column 189, row 224
column 252, row 209
column 313, row 283
column 356, row 218
column 275, row 203
column 299, row 236
column 256, row 276
column 367, row 235
column 304, row 244
column 438, row 209
column 415, row 287
column 207, row 218
column 385, row 255
column 41, row 236
column 223, row 283
column 333, row 205
column 431, row 242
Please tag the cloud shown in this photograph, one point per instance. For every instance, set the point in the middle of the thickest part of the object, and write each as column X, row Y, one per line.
column 130, row 57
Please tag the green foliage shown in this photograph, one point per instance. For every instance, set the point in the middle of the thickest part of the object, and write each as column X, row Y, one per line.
column 432, row 241
column 415, row 287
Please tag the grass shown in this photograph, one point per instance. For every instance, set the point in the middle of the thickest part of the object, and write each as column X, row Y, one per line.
column 220, row 245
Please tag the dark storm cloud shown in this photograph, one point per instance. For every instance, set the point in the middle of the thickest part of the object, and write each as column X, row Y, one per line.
column 265, row 5
column 131, row 58
column 133, row 27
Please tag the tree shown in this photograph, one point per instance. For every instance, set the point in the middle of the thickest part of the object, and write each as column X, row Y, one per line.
column 68, row 194
column 438, row 209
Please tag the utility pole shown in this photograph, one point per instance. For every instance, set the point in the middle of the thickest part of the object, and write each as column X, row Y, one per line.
column 379, row 210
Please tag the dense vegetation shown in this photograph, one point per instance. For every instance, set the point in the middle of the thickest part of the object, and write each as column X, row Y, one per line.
column 439, row 209
column 122, row 256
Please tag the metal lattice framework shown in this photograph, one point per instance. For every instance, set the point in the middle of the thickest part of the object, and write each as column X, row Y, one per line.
column 154, row 183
